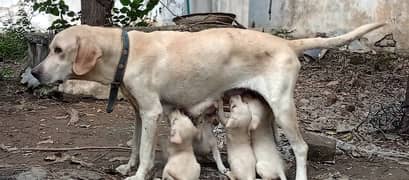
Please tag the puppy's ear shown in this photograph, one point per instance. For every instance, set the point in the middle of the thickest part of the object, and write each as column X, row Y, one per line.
column 87, row 56
column 230, row 123
column 235, row 99
column 255, row 121
column 175, row 137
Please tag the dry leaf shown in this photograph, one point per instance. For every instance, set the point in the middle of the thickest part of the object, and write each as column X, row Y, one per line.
column 74, row 114
column 121, row 158
column 75, row 160
column 48, row 141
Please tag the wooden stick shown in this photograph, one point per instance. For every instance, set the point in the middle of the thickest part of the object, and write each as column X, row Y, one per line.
column 75, row 148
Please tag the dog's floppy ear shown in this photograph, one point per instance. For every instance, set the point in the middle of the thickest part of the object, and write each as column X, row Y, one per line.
column 87, row 56
column 175, row 137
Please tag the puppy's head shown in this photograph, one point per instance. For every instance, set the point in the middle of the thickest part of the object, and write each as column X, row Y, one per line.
column 72, row 52
column 209, row 116
column 240, row 114
column 182, row 128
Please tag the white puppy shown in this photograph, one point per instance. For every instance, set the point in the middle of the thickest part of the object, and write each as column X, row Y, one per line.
column 182, row 164
column 240, row 154
column 205, row 142
column 269, row 164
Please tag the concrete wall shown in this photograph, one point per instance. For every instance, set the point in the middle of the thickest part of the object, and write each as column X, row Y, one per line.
column 335, row 16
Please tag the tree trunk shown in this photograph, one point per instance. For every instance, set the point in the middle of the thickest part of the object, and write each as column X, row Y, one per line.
column 405, row 120
column 96, row 12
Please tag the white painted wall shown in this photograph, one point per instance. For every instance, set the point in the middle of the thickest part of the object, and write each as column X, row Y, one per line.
column 40, row 21
column 334, row 17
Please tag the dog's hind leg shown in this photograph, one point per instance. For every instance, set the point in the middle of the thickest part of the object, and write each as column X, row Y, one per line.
column 278, row 92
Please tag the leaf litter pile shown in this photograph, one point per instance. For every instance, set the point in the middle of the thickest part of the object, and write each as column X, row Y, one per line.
column 355, row 98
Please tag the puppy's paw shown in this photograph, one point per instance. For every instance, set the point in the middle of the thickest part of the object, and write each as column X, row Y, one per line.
column 229, row 174
column 123, row 169
column 129, row 143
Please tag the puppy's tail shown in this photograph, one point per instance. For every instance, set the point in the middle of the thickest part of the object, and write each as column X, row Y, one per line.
column 301, row 45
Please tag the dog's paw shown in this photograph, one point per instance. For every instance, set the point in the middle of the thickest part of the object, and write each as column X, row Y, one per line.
column 123, row 169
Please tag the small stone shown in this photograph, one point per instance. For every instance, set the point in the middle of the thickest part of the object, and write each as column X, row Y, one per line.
column 304, row 101
column 350, row 108
column 321, row 148
column 331, row 99
column 333, row 83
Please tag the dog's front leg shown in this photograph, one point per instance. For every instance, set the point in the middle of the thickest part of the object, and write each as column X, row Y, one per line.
column 136, row 137
column 150, row 111
column 135, row 144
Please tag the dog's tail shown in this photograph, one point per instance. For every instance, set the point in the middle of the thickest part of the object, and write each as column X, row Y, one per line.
column 301, row 45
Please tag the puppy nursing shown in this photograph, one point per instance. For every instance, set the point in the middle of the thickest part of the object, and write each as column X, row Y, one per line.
column 239, row 152
column 205, row 142
column 182, row 164
column 269, row 164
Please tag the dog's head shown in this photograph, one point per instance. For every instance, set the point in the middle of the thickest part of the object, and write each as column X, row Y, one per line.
column 182, row 128
column 72, row 52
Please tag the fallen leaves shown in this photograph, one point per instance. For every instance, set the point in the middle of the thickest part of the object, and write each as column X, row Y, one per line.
column 62, row 157
column 48, row 141
column 74, row 117
column 7, row 148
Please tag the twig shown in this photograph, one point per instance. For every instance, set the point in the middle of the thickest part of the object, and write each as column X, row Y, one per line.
column 101, row 156
column 164, row 5
column 75, row 148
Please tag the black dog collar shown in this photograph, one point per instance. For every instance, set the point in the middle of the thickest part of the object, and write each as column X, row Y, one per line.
column 120, row 71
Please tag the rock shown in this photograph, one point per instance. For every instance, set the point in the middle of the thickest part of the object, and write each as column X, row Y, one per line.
column 333, row 83
column 35, row 173
column 350, row 108
column 304, row 101
column 331, row 99
column 321, row 148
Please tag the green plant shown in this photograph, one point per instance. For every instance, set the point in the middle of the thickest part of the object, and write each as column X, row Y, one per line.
column 132, row 14
column 57, row 8
column 6, row 73
column 13, row 45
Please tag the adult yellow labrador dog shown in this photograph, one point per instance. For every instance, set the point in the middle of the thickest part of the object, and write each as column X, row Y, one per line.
column 188, row 70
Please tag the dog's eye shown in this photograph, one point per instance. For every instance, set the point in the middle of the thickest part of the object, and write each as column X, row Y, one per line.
column 233, row 106
column 57, row 50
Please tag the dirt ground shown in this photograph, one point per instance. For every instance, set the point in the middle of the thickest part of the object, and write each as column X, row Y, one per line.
column 333, row 94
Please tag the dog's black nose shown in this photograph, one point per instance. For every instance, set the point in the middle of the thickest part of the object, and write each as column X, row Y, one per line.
column 36, row 74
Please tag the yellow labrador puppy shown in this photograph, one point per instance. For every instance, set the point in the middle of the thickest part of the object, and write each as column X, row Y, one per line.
column 269, row 164
column 182, row 164
column 190, row 70
column 238, row 126
column 205, row 142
